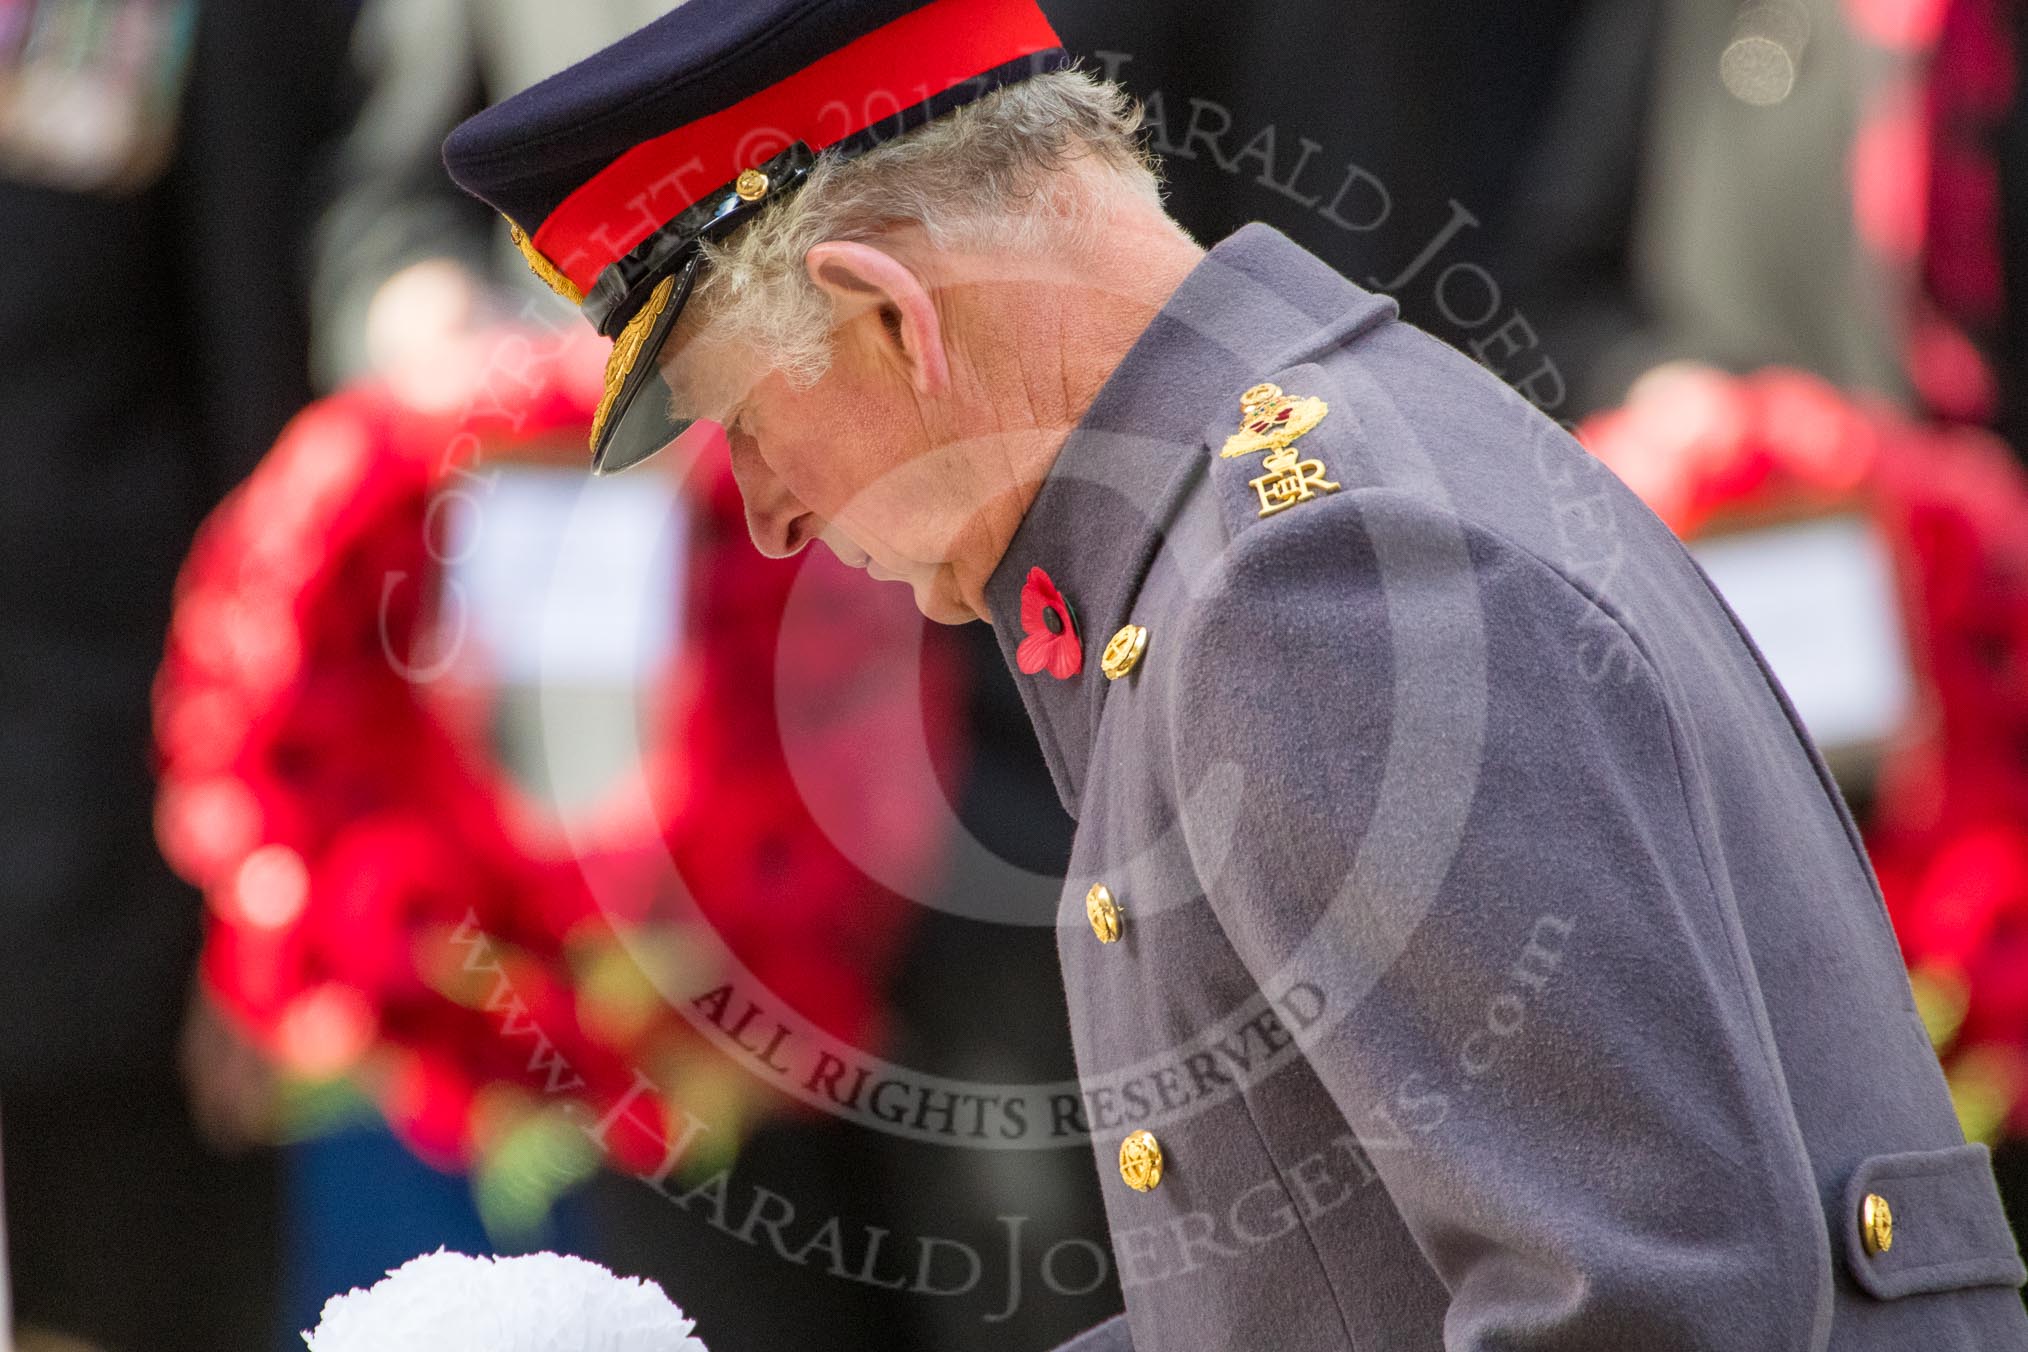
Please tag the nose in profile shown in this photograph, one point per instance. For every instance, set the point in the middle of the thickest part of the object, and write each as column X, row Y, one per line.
column 779, row 524
column 780, row 532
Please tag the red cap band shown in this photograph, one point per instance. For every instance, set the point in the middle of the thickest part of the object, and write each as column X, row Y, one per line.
column 910, row 61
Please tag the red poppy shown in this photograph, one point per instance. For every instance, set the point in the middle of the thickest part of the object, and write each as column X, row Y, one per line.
column 378, row 907
column 1048, row 630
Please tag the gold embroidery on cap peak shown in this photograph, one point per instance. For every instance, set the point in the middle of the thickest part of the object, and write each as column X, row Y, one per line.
column 627, row 351
column 551, row 275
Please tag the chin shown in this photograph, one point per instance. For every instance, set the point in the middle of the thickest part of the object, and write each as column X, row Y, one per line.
column 938, row 601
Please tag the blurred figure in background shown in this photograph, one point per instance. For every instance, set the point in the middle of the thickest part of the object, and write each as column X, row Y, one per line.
column 153, row 160
column 1691, row 197
column 420, row 65
column 1969, row 344
column 1368, row 133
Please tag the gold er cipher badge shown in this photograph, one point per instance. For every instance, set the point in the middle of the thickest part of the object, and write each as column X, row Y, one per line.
column 1271, row 421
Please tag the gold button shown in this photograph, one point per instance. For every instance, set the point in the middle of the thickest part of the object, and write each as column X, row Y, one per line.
column 751, row 185
column 1141, row 1161
column 1123, row 651
column 1103, row 912
column 1876, row 1223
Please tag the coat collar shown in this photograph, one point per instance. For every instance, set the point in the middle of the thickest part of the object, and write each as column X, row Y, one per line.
column 1256, row 303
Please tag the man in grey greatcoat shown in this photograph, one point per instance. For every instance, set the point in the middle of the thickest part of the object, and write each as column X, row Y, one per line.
column 1465, row 946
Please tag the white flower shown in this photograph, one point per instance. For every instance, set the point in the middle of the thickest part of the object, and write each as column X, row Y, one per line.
column 544, row 1302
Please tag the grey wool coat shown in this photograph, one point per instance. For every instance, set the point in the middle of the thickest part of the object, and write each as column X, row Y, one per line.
column 1484, row 953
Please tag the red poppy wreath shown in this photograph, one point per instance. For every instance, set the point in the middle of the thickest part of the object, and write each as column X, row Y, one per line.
column 380, row 911
column 1948, row 830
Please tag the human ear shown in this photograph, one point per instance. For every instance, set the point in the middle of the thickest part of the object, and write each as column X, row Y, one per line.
column 868, row 285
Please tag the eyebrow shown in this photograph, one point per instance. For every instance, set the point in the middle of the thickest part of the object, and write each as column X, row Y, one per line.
column 685, row 412
column 680, row 407
column 687, row 402
column 684, row 404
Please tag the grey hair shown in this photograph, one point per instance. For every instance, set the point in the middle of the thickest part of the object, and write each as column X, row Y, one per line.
column 1025, row 169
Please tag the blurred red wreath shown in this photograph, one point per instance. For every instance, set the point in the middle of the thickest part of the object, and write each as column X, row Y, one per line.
column 1948, row 833
column 384, row 904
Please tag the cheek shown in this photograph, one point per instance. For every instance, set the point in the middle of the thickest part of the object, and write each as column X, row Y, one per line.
column 844, row 454
column 826, row 459
column 801, row 466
